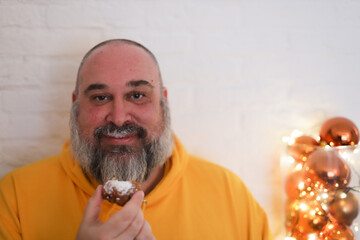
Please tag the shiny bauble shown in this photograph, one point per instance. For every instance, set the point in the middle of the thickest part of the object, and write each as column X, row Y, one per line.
column 300, row 236
column 302, row 147
column 291, row 215
column 339, row 131
column 344, row 207
column 327, row 169
column 295, row 183
column 305, row 217
column 338, row 232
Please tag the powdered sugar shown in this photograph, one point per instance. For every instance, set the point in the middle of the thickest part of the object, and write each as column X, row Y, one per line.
column 122, row 187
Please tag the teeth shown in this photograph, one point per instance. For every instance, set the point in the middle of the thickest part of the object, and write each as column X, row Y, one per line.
column 119, row 134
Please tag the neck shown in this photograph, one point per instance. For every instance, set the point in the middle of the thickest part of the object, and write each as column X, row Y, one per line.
column 155, row 177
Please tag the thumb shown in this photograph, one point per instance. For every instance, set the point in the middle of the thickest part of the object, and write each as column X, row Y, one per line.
column 136, row 200
column 93, row 207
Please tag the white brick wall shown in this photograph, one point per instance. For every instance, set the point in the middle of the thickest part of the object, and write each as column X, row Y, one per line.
column 240, row 74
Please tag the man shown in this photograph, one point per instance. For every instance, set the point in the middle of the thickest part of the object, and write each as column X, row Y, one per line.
column 120, row 127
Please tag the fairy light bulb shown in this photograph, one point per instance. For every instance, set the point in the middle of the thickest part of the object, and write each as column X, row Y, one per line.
column 299, row 166
column 343, row 195
column 303, row 206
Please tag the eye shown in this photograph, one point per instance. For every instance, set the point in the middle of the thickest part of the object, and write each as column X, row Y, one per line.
column 137, row 95
column 100, row 98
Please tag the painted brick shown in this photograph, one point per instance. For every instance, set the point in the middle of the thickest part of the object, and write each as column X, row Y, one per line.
column 74, row 14
column 27, row 15
column 29, row 126
column 37, row 100
column 19, row 152
column 47, row 41
column 22, row 70
column 240, row 74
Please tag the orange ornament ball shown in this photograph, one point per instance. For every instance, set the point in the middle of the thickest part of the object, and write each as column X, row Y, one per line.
column 302, row 147
column 305, row 217
column 338, row 232
column 294, row 183
column 300, row 236
column 339, row 131
column 291, row 215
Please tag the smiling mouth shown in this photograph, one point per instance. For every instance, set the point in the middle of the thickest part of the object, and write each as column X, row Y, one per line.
column 120, row 138
column 119, row 135
column 122, row 134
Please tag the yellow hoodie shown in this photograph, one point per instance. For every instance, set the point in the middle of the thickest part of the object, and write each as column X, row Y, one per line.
column 194, row 200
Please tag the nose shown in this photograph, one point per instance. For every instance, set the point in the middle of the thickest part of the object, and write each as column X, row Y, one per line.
column 118, row 113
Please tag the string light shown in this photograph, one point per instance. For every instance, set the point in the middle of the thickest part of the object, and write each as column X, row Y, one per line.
column 343, row 195
column 312, row 237
column 310, row 213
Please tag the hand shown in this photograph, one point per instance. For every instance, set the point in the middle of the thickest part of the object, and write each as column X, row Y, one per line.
column 128, row 223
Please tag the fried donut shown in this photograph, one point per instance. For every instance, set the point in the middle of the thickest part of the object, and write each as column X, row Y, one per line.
column 119, row 192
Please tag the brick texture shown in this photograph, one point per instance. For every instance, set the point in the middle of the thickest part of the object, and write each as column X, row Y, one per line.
column 240, row 74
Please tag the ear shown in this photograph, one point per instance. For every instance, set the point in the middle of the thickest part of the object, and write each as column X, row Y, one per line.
column 73, row 96
column 165, row 93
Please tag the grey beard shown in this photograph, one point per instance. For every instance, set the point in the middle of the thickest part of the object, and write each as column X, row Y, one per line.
column 121, row 162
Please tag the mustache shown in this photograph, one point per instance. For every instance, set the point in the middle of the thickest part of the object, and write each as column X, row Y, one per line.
column 113, row 130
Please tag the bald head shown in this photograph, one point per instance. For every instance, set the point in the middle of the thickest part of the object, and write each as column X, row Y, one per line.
column 114, row 43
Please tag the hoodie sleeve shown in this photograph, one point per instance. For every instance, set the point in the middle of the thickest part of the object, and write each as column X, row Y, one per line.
column 9, row 221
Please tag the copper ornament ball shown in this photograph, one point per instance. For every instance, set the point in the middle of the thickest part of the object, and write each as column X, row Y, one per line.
column 302, row 147
column 327, row 169
column 294, row 183
column 300, row 236
column 305, row 217
column 345, row 207
column 291, row 215
column 338, row 232
column 339, row 131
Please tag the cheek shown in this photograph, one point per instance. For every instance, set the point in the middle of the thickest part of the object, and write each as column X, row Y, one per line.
column 151, row 118
column 89, row 119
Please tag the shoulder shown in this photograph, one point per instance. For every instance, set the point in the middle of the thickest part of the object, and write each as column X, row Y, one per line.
column 220, row 179
column 224, row 185
column 37, row 170
column 212, row 170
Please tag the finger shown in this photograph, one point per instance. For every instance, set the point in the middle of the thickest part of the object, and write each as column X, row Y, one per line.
column 135, row 201
column 122, row 219
column 130, row 209
column 134, row 227
column 145, row 232
column 93, row 207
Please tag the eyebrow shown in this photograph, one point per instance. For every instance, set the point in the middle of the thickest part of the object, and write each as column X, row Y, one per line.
column 133, row 83
column 95, row 86
column 137, row 83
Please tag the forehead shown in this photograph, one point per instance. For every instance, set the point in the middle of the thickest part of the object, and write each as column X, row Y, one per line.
column 118, row 63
